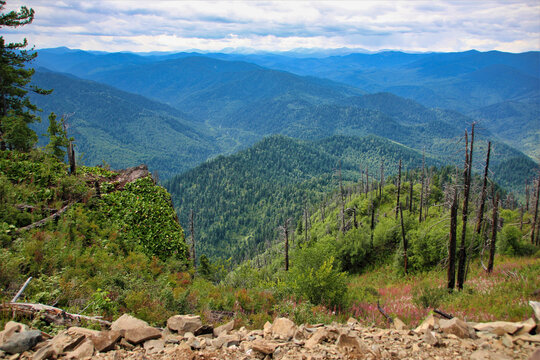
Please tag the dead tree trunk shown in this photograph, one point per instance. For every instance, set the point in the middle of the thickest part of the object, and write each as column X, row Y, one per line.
column 192, row 231
column 527, row 196
column 452, row 243
column 422, row 188
column 535, row 211
column 493, row 233
column 381, row 185
column 342, row 200
column 286, row 231
column 405, row 261
column 398, row 205
column 483, row 194
column 465, row 213
column 372, row 227
column 410, row 195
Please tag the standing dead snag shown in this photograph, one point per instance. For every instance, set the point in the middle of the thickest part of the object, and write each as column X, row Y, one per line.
column 285, row 229
column 404, row 241
column 452, row 243
column 191, row 229
column 422, row 187
column 535, row 212
column 410, row 194
column 495, row 220
column 465, row 212
column 480, row 215
column 398, row 205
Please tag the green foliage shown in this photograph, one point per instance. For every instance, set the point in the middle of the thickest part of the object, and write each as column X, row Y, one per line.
column 147, row 220
column 323, row 284
column 510, row 241
column 16, row 110
column 428, row 296
column 57, row 138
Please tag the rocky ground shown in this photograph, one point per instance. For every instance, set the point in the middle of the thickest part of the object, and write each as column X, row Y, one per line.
column 186, row 338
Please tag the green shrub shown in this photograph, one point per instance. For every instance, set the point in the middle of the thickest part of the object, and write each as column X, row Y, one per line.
column 429, row 296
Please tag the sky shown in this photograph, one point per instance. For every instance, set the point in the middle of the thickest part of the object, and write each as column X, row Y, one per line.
column 156, row 25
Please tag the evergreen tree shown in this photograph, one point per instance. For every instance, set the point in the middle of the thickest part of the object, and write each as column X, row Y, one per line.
column 16, row 110
column 58, row 140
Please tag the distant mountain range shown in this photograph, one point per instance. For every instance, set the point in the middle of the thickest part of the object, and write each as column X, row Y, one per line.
column 190, row 107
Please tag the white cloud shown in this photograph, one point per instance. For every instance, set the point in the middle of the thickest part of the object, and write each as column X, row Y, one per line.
column 282, row 25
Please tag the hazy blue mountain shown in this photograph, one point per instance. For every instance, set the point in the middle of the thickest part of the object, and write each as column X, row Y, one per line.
column 121, row 128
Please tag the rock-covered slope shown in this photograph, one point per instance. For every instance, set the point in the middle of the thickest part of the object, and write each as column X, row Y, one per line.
column 185, row 337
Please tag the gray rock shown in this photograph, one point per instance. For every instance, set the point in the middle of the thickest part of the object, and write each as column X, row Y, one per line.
column 21, row 342
column 184, row 323
column 127, row 322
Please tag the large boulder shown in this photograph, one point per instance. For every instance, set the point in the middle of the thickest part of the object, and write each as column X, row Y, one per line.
column 140, row 335
column 283, row 328
column 126, row 322
column 11, row 328
column 105, row 341
column 21, row 342
column 224, row 329
column 498, row 327
column 428, row 324
column 184, row 323
column 85, row 350
column 456, row 327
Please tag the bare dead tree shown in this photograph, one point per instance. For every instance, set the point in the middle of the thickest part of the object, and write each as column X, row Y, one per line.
column 465, row 213
column 381, row 184
column 410, row 194
column 483, row 194
column 422, row 187
column 495, row 220
column 398, row 205
column 535, row 211
column 372, row 227
column 405, row 260
column 452, row 243
column 192, row 233
column 285, row 229
column 527, row 196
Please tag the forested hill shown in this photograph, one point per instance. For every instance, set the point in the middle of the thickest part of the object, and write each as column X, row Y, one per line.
column 240, row 200
column 123, row 129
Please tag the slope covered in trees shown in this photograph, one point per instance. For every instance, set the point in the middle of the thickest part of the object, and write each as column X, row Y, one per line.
column 240, row 200
column 121, row 128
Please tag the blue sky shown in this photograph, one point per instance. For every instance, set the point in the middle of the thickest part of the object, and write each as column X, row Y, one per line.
column 283, row 25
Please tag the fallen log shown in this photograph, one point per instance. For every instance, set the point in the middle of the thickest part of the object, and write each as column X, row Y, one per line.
column 51, row 314
column 45, row 220
column 443, row 314
column 381, row 310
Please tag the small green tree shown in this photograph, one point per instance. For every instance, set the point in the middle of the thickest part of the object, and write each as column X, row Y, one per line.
column 58, row 140
column 16, row 110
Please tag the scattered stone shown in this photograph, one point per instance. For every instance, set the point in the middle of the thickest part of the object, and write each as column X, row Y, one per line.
column 455, row 327
column 11, row 328
column 154, row 346
column 528, row 326
column 398, row 324
column 527, row 338
column 535, row 355
column 428, row 323
column 499, row 328
column 124, row 344
column 264, row 347
column 139, row 335
column 283, row 328
column 507, row 341
column 224, row 329
column 267, row 330
column 536, row 308
column 203, row 330
column 347, row 343
column 226, row 341
column 20, row 342
column 352, row 321
column 106, row 340
column 84, row 351
column 64, row 342
column 320, row 335
column 46, row 352
column 75, row 330
column 127, row 322
column 184, row 323
column 430, row 338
